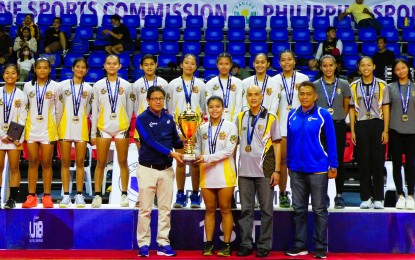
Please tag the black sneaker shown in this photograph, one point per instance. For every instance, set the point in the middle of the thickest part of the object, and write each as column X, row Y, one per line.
column 296, row 252
column 225, row 250
column 262, row 252
column 10, row 204
column 244, row 251
column 339, row 202
column 285, row 202
column 320, row 254
column 208, row 249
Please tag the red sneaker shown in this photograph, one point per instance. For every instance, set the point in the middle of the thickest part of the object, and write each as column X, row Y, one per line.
column 31, row 202
column 47, row 201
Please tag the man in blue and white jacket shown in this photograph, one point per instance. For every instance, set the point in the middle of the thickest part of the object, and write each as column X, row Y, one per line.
column 311, row 160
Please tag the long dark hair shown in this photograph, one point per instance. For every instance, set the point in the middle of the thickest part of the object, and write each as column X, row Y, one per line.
column 395, row 62
column 34, row 79
column 26, row 28
column 21, row 56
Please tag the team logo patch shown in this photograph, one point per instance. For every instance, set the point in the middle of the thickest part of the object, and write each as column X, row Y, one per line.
column 297, row 85
column 179, row 89
column 268, row 91
column 68, row 92
column 281, row 87
column 168, row 97
column 32, row 94
column 215, row 87
column 205, row 136
column 234, row 139
column 206, row 94
column 92, row 98
column 27, row 106
column 413, row 93
column 195, row 89
column 222, row 135
column 17, row 103
column 143, row 90
column 339, row 91
column 244, row 128
column 376, row 95
column 261, row 127
column 1, row 102
column 121, row 91
column 48, row 95
column 132, row 97
column 359, row 98
column 103, row 91
column 279, row 95
column 84, row 94
column 61, row 98
column 233, row 87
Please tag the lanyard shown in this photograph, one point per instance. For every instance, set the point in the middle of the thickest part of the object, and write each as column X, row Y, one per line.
column 405, row 103
column 249, row 134
column 40, row 97
column 212, row 142
column 226, row 92
column 289, row 92
column 329, row 100
column 146, row 85
column 113, row 98
column 8, row 105
column 368, row 103
column 188, row 94
column 264, row 85
column 76, row 100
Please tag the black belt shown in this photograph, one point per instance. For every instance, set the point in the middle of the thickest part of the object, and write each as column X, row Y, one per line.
column 159, row 167
column 339, row 121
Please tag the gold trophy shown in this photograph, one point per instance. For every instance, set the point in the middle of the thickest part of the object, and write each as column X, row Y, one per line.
column 188, row 122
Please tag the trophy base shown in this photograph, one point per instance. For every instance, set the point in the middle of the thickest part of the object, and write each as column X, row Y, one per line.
column 188, row 157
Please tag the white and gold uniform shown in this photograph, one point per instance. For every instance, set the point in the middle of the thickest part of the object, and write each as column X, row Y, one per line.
column 235, row 89
column 176, row 100
column 269, row 92
column 18, row 114
column 101, row 108
column 70, row 128
column 43, row 130
column 218, row 169
column 283, row 108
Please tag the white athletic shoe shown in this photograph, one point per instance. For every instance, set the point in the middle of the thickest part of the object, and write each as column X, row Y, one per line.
column 96, row 202
column 80, row 201
column 124, row 201
column 66, row 202
column 410, row 203
column 400, row 204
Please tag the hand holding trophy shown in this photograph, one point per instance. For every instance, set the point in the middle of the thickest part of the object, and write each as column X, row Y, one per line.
column 188, row 122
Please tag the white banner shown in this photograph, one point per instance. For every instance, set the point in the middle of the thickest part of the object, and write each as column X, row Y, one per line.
column 288, row 8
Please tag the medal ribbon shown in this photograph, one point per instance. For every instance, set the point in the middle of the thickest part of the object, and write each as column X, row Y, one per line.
column 76, row 100
column 188, row 95
column 212, row 142
column 264, row 85
column 289, row 92
column 146, row 85
column 40, row 97
column 405, row 103
column 226, row 92
column 329, row 100
column 8, row 105
column 250, row 135
column 113, row 98
column 368, row 103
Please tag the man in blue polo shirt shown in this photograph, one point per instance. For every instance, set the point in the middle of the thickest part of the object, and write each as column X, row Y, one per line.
column 155, row 175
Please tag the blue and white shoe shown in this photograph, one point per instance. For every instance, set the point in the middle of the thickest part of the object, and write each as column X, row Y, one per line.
column 195, row 201
column 165, row 250
column 143, row 252
column 181, row 201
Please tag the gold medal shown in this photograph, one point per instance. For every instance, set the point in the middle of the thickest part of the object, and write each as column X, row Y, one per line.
column 226, row 111
column 143, row 90
column 368, row 116
column 248, row 148
column 216, row 87
column 75, row 119
column 113, row 116
column 331, row 110
column 289, row 107
column 39, row 118
column 5, row 127
column 405, row 117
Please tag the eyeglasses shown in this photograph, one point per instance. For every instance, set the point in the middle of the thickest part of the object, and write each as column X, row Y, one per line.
column 157, row 99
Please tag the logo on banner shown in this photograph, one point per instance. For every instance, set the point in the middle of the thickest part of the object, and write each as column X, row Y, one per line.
column 36, row 230
column 246, row 9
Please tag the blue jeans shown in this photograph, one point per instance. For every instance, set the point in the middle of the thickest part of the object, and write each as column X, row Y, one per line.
column 302, row 186
column 370, row 23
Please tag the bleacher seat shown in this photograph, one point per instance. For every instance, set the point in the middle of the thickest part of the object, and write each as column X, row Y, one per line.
column 80, row 46
column 173, row 21
column 149, row 34
column 369, row 48
column 137, row 59
column 131, row 20
column 276, row 62
column 319, row 34
column 345, row 23
column 150, row 47
column 20, row 18
column 6, row 19
column 299, row 22
column 367, row 35
column 106, row 20
column 67, row 30
column 123, row 73
column 65, row 73
column 191, row 48
column 192, row 34
column 133, row 32
column 411, row 49
column 194, row 21
column 408, row 34
column 52, row 74
column 45, row 19
column 391, row 34
column 257, row 34
column 153, row 21
column 213, row 34
column 209, row 61
column 278, row 47
column 278, row 34
column 90, row 20
column 350, row 62
column 164, row 60
column 94, row 74
column 237, row 21
column 303, row 48
column 169, row 47
column 409, row 20
column 42, row 30
column 346, row 35
column 350, row 48
column 101, row 39
column 386, row 21
column 209, row 74
column 124, row 59
column 240, row 60
column 58, row 61
column 13, row 31
column 312, row 74
column 395, row 48
column 236, row 48
column 84, row 32
column 213, row 47
column 171, row 34
column 258, row 21
column 258, row 47
column 136, row 74
column 236, row 34
column 301, row 34
column 320, row 22
column 69, row 19
column 96, row 60
column 278, row 22
column 215, row 21
column 70, row 58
